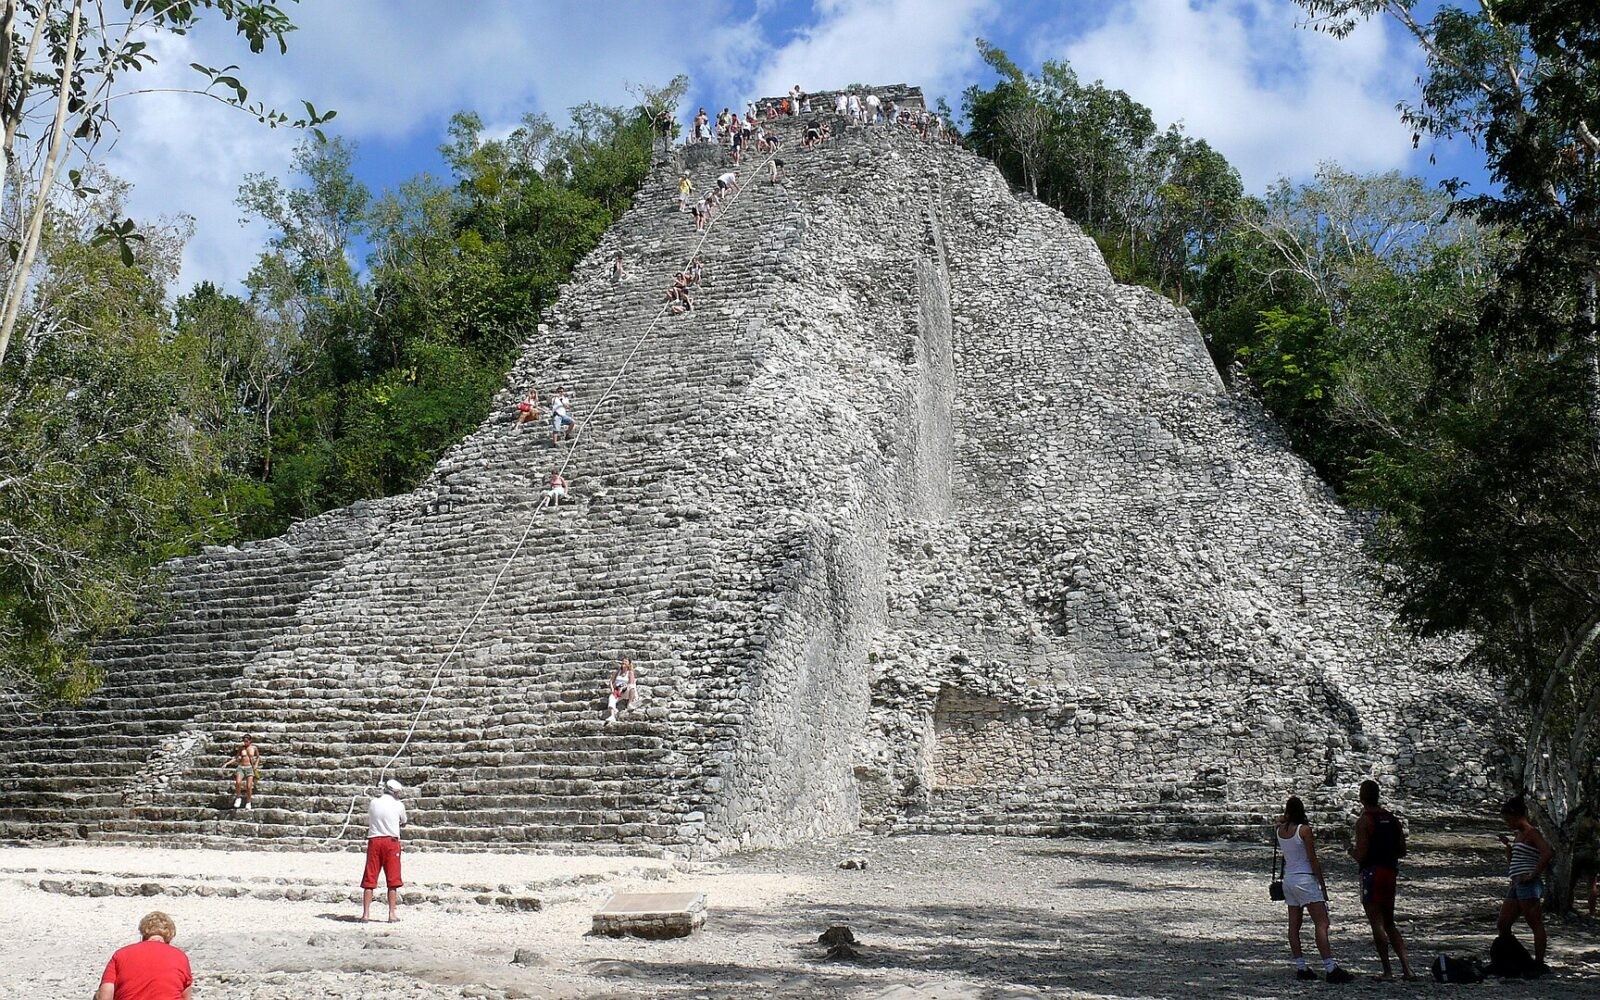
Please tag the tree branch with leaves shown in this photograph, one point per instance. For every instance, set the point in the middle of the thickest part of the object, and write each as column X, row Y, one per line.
column 63, row 66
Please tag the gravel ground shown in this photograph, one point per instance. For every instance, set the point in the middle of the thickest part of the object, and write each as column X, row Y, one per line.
column 936, row 917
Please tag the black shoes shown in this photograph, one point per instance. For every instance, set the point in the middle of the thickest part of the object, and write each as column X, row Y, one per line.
column 1338, row 975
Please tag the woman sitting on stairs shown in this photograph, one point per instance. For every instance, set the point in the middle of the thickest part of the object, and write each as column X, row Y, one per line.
column 528, row 409
column 558, row 488
column 624, row 688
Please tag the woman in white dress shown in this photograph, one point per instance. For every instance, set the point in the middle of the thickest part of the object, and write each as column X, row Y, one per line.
column 624, row 688
column 1304, row 888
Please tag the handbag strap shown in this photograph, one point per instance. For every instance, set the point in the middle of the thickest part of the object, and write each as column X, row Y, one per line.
column 1277, row 857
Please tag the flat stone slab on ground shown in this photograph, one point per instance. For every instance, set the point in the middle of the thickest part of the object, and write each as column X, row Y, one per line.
column 651, row 914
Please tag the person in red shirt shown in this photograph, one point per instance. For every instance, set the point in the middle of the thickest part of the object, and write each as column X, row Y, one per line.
column 150, row 970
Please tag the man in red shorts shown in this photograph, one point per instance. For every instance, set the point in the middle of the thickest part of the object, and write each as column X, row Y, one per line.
column 1380, row 844
column 386, row 814
column 150, row 970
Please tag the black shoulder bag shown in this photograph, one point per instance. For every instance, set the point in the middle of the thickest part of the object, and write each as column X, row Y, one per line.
column 1275, row 888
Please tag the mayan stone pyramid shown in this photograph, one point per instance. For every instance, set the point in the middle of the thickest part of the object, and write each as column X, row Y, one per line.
column 918, row 521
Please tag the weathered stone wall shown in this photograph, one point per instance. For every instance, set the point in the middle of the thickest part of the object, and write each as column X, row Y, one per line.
column 1160, row 600
column 61, row 771
column 917, row 521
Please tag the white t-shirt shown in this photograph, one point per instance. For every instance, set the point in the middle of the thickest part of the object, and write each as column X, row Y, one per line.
column 872, row 100
column 559, row 404
column 838, row 103
column 385, row 816
column 728, row 178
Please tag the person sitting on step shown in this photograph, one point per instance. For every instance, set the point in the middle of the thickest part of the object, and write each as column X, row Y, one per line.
column 677, row 296
column 557, row 490
column 528, row 409
column 624, row 688
column 561, row 421
column 695, row 271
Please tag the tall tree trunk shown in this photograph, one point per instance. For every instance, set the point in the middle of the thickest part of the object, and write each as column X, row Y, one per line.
column 1558, row 826
column 1590, row 345
column 54, row 158
column 8, row 24
column 1562, row 876
column 1567, row 787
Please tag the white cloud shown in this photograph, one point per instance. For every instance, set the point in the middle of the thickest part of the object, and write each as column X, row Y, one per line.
column 390, row 65
column 881, row 42
column 394, row 70
column 1275, row 98
column 187, row 154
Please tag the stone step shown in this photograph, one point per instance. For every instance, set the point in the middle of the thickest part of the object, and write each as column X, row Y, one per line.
column 714, row 538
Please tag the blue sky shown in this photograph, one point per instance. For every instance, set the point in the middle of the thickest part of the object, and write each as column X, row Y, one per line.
column 1275, row 97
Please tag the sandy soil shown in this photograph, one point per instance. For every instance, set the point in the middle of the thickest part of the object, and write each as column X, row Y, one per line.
column 937, row 917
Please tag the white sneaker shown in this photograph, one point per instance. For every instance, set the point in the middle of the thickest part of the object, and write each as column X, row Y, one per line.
column 249, row 805
column 236, row 803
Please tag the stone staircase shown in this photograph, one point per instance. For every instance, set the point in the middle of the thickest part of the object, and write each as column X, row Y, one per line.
column 915, row 481
column 61, row 771
column 512, row 748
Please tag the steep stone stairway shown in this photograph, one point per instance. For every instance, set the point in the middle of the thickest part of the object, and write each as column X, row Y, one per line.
column 60, row 771
column 511, row 747
column 912, row 440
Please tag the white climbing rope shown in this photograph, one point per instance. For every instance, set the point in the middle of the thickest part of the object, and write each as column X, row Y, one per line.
column 544, row 501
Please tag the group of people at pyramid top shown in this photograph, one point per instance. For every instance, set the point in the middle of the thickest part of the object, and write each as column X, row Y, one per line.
column 736, row 133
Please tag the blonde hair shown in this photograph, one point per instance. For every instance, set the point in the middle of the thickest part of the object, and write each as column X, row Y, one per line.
column 155, row 923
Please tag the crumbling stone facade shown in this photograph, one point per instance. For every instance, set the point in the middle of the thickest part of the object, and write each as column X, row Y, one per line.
column 918, row 521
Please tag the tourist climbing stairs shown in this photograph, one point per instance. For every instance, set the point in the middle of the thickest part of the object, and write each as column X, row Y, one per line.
column 512, row 744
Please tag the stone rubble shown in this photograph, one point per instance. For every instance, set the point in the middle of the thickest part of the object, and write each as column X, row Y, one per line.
column 917, row 522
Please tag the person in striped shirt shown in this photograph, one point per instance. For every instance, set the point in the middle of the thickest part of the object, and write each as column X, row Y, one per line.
column 1528, row 855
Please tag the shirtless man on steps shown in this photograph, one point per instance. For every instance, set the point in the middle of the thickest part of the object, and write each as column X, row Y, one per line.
column 246, row 767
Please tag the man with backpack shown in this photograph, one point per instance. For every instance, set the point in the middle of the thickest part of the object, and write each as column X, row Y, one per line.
column 1380, row 844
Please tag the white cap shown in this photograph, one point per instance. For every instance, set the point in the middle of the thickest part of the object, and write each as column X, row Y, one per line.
column 392, row 785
